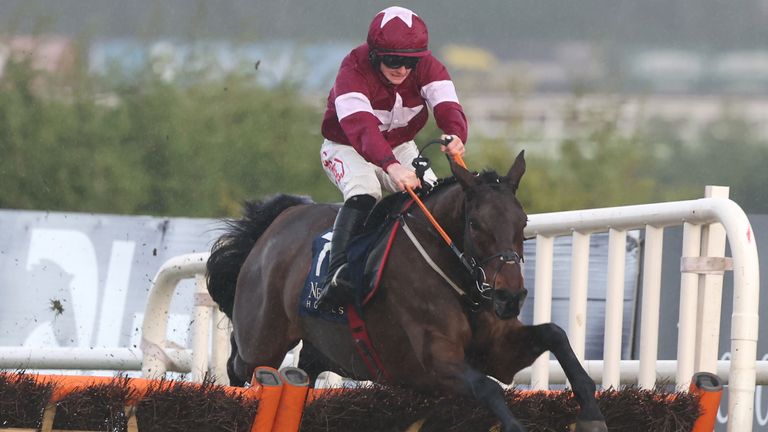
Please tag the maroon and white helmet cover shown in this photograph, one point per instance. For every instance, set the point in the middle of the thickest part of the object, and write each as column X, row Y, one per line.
column 398, row 31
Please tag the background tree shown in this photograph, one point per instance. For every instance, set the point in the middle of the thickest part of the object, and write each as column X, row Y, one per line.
column 204, row 142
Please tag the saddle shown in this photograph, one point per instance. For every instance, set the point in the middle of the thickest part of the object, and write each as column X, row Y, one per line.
column 366, row 257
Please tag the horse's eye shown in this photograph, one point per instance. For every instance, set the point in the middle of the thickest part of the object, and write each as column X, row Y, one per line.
column 472, row 224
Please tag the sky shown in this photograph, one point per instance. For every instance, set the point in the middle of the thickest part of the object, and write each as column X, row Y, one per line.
column 497, row 25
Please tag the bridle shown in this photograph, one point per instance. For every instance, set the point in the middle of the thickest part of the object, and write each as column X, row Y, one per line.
column 483, row 288
column 476, row 267
column 482, row 291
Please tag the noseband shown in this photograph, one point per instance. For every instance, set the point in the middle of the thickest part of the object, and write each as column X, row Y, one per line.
column 483, row 291
column 481, row 280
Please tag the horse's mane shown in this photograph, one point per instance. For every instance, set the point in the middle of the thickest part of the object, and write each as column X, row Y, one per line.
column 231, row 249
column 392, row 204
column 486, row 177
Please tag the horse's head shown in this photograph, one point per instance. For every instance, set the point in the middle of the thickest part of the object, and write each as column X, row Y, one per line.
column 493, row 234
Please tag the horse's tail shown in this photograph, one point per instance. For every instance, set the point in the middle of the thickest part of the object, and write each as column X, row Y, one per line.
column 230, row 250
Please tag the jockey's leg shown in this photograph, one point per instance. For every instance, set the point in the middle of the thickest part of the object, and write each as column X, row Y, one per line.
column 337, row 290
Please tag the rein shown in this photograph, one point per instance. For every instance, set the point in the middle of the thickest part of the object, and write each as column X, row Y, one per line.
column 469, row 263
column 473, row 267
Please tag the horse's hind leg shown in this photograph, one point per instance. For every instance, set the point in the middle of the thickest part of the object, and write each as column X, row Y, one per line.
column 239, row 370
column 312, row 361
column 262, row 341
column 550, row 337
column 234, row 378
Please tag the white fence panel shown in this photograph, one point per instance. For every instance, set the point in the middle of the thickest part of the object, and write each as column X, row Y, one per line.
column 702, row 264
column 694, row 215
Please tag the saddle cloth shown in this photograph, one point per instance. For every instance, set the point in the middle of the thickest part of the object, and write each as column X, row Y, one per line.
column 366, row 256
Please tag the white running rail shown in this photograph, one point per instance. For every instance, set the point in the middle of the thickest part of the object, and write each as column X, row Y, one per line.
column 706, row 222
column 207, row 356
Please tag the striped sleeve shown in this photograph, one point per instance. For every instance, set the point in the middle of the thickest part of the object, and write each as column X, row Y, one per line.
column 440, row 93
column 350, row 103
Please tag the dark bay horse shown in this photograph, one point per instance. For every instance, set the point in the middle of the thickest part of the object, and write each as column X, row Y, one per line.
column 429, row 336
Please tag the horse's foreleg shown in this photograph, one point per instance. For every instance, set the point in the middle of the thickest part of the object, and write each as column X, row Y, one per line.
column 450, row 368
column 552, row 338
column 489, row 393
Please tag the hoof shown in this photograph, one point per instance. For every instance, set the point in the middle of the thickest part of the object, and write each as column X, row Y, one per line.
column 589, row 426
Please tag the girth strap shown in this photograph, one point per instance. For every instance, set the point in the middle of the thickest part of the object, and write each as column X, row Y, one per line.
column 364, row 346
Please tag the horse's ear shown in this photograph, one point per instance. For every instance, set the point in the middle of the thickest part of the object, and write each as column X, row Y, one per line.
column 516, row 171
column 466, row 179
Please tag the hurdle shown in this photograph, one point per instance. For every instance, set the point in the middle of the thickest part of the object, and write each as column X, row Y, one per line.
column 707, row 224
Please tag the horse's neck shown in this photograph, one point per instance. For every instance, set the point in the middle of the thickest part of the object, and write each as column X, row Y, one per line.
column 448, row 209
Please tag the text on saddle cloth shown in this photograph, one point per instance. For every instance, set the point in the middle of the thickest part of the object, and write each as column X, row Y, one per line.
column 367, row 254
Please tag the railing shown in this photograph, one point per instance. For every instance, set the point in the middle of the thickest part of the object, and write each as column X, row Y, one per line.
column 702, row 266
column 159, row 354
column 705, row 225
column 209, row 353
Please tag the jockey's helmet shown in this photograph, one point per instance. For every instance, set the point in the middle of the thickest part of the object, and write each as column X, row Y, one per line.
column 398, row 31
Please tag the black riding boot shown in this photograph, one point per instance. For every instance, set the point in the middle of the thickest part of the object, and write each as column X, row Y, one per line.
column 337, row 290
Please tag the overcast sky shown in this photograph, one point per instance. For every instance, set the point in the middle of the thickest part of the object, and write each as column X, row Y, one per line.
column 493, row 24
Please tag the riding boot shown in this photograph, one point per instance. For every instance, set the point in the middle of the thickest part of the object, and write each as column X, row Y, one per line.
column 337, row 289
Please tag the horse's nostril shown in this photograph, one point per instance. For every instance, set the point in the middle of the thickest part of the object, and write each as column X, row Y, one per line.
column 507, row 304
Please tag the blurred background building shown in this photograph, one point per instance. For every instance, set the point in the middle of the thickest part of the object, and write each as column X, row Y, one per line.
column 518, row 64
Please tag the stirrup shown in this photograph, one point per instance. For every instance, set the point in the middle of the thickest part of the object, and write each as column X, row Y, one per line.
column 335, row 292
column 336, row 281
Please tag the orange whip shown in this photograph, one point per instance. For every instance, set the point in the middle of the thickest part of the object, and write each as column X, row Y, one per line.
column 469, row 263
column 459, row 161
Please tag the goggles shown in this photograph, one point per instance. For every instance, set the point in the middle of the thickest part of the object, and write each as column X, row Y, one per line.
column 396, row 61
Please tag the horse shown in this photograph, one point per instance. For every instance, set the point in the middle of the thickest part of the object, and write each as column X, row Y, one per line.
column 434, row 333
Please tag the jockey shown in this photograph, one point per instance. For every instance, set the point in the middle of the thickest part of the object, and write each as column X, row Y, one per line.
column 378, row 103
